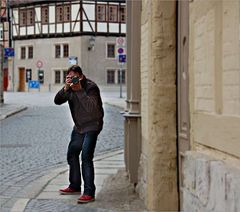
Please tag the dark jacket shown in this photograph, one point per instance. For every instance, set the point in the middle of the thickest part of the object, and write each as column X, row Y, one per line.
column 85, row 105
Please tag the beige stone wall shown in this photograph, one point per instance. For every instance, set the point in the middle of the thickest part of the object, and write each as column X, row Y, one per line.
column 145, row 86
column 214, row 69
column 94, row 63
column 212, row 167
column 158, row 172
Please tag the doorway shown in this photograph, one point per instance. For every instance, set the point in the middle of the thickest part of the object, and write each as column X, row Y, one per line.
column 182, row 89
column 21, row 86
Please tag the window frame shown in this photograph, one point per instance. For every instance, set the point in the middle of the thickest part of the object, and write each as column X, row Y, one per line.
column 29, row 21
column 58, row 15
column 65, row 45
column 107, row 50
column 30, row 56
column 22, row 17
column 23, row 52
column 64, row 16
column 121, row 14
column 104, row 13
column 55, row 76
column 56, row 51
column 111, row 79
column 44, row 16
column 116, row 15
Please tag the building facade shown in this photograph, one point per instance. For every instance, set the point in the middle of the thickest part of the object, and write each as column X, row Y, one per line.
column 183, row 113
column 49, row 36
column 4, row 43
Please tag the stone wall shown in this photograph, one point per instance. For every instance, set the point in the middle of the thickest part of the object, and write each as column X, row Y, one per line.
column 94, row 63
column 158, row 171
column 211, row 179
column 214, row 72
column 210, row 184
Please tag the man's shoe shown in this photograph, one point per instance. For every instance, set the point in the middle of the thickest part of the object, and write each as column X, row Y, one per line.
column 69, row 191
column 85, row 199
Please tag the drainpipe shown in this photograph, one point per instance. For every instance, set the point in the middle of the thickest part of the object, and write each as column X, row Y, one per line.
column 133, row 114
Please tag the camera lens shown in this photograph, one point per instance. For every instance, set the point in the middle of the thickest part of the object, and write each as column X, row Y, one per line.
column 75, row 80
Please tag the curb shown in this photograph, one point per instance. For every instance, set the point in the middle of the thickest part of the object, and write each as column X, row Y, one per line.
column 21, row 203
column 11, row 111
column 41, row 183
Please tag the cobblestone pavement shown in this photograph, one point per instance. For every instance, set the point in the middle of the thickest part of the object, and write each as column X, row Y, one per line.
column 35, row 141
column 59, row 206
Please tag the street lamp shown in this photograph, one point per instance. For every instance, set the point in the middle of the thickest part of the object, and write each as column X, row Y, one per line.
column 91, row 43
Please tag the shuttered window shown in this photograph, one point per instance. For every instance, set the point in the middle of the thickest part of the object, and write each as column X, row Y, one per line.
column 44, row 15
column 101, row 12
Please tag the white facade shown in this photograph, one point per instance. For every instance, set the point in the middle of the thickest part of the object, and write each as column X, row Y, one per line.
column 95, row 63
column 47, row 33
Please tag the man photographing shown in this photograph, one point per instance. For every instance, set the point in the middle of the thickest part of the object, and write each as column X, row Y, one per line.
column 83, row 97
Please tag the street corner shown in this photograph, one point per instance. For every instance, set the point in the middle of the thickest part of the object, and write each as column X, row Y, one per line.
column 8, row 110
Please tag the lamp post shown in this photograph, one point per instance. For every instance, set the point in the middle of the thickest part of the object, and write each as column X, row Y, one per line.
column 91, row 43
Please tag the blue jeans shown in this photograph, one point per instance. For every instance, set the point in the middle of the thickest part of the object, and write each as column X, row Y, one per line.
column 84, row 143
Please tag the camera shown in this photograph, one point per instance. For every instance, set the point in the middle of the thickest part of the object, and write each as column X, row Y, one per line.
column 75, row 80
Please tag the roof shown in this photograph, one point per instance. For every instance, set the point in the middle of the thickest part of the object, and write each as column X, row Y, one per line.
column 17, row 3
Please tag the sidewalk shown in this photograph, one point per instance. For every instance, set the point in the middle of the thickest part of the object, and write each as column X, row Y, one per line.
column 7, row 110
column 113, row 191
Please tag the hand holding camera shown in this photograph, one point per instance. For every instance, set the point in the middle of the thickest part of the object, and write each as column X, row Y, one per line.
column 73, row 82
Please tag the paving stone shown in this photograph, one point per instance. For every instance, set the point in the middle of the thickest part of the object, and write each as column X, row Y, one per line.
column 35, row 142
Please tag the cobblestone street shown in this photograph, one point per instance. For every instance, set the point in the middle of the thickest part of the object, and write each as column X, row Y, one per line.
column 35, row 141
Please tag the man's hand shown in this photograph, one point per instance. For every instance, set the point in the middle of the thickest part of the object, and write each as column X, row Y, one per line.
column 68, row 83
column 76, row 87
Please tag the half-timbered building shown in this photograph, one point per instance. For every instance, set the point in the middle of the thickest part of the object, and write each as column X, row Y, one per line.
column 4, row 43
column 49, row 36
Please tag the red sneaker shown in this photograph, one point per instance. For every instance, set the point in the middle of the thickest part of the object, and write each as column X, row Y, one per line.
column 69, row 191
column 85, row 199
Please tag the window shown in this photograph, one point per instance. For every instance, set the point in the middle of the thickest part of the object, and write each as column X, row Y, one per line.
column 30, row 17
column 30, row 52
column 27, row 17
column 63, row 13
column 67, row 13
column 122, row 15
column 1, row 34
column 123, row 77
column 61, row 50
column 57, row 51
column 113, row 13
column 65, row 50
column 110, row 76
column 57, row 77
column 110, row 50
column 59, row 14
column 44, row 15
column 64, row 75
column 23, row 17
column 28, row 74
column 101, row 12
column 41, row 76
column 23, row 53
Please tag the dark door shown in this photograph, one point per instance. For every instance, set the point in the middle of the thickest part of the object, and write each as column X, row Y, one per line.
column 183, row 82
column 21, row 79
